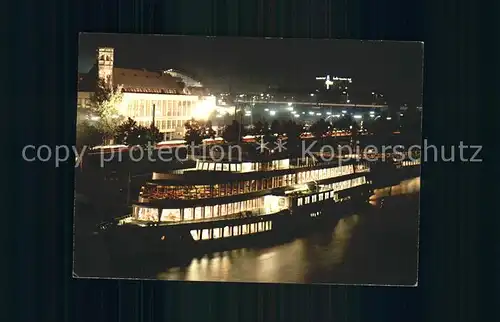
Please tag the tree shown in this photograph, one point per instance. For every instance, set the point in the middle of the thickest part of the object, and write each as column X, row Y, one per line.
column 276, row 127
column 126, row 131
column 194, row 132
column 209, row 130
column 232, row 132
column 152, row 134
column 319, row 128
column 267, row 133
column 346, row 123
column 104, row 103
column 411, row 122
column 382, row 126
column 88, row 135
column 131, row 134
column 258, row 128
column 293, row 132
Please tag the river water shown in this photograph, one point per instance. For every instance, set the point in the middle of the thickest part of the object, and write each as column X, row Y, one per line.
column 379, row 246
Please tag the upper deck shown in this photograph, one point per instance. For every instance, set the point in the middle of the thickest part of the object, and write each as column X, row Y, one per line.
column 247, row 177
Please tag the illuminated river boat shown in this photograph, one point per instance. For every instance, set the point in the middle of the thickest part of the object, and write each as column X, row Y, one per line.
column 223, row 205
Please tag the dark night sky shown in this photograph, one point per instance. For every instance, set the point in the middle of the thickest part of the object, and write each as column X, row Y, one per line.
column 393, row 68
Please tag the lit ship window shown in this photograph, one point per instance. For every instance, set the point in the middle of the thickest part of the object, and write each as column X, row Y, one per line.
column 217, row 233
column 195, row 234
column 188, row 214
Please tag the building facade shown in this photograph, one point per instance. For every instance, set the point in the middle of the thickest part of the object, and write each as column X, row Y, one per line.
column 148, row 95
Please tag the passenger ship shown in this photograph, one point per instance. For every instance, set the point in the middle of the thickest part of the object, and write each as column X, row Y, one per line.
column 221, row 205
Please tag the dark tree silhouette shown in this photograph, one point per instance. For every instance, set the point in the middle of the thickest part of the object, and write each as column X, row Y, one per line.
column 382, row 127
column 411, row 123
column 276, row 127
column 346, row 122
column 267, row 133
column 209, row 130
column 131, row 134
column 258, row 128
column 125, row 130
column 232, row 132
column 319, row 128
column 293, row 132
column 194, row 132
column 88, row 135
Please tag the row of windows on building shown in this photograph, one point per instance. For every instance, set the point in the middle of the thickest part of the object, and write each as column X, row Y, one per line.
column 175, row 108
column 164, row 125
column 337, row 186
column 240, row 187
column 231, row 231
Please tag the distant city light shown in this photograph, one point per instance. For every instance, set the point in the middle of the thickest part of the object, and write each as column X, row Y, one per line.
column 318, row 114
column 266, row 109
column 312, row 94
column 289, row 103
column 311, row 113
column 272, row 112
column 389, row 118
column 328, row 113
column 372, row 115
column 348, row 101
column 290, row 108
column 372, row 112
column 296, row 115
column 357, row 116
column 343, row 112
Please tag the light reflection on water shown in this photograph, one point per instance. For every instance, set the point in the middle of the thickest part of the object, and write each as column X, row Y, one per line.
column 290, row 262
column 353, row 251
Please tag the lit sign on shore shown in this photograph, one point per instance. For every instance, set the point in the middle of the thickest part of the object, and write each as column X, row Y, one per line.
column 329, row 81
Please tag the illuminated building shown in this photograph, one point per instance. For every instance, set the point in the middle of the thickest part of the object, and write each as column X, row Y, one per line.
column 226, row 200
column 174, row 97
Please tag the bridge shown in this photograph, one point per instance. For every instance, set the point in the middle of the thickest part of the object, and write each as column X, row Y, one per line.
column 309, row 103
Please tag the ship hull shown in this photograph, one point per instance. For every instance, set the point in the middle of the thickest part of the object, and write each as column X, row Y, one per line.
column 177, row 244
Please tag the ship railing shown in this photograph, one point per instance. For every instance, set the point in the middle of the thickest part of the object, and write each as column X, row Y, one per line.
column 107, row 224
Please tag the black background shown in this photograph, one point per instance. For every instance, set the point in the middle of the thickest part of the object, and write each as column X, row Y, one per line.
column 458, row 261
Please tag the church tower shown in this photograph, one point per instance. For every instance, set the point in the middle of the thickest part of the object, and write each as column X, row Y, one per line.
column 105, row 58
